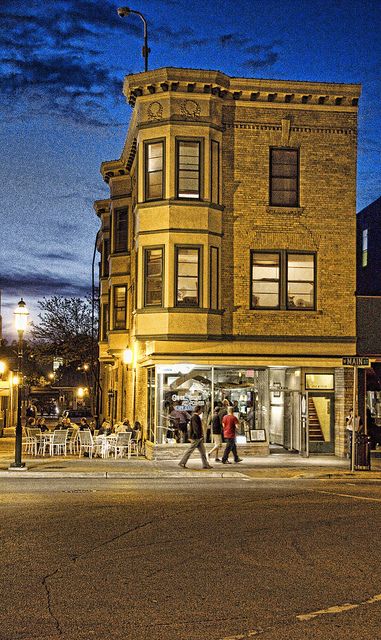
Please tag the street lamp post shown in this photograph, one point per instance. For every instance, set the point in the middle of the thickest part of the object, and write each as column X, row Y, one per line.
column 21, row 319
column 123, row 12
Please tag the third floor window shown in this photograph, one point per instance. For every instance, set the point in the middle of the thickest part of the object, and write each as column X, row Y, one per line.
column 154, row 170
column 284, row 178
column 188, row 169
column 120, row 219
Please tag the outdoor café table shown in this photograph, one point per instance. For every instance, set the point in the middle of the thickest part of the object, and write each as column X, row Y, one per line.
column 104, row 443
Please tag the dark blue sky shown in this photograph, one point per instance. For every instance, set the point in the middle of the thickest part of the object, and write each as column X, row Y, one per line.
column 62, row 110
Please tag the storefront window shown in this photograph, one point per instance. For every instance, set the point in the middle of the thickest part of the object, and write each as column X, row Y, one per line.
column 182, row 387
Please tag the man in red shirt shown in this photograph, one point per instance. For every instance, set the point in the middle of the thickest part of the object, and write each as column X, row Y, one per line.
column 229, row 424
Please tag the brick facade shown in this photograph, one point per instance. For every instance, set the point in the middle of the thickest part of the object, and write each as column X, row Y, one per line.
column 246, row 117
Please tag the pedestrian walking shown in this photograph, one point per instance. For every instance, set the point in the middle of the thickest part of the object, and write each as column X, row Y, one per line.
column 197, row 440
column 229, row 424
column 216, row 434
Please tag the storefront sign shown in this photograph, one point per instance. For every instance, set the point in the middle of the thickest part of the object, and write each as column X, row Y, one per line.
column 324, row 381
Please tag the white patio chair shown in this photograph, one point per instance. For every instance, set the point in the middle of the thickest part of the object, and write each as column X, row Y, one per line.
column 58, row 442
column 32, row 440
column 122, row 444
column 86, row 443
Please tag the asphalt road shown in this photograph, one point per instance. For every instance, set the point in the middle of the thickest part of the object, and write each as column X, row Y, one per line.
column 190, row 559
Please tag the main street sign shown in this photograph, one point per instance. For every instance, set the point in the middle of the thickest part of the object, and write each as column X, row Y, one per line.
column 355, row 361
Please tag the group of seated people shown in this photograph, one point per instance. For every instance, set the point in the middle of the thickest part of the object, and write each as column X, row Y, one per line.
column 106, row 427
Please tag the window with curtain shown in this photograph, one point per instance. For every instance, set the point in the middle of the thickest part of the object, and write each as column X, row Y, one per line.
column 283, row 280
column 265, row 274
column 154, row 170
column 364, row 254
column 187, row 277
column 300, row 281
column 188, row 169
column 153, row 277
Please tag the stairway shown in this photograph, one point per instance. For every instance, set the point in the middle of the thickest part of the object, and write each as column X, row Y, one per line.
column 315, row 432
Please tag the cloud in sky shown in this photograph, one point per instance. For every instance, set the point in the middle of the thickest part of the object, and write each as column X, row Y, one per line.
column 55, row 61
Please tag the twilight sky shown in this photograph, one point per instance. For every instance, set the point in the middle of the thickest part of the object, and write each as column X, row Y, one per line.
column 62, row 111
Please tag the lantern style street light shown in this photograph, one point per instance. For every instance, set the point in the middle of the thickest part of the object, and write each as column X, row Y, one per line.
column 21, row 320
column 123, row 12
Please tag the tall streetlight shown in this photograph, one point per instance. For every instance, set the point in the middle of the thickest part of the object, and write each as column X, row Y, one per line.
column 123, row 12
column 21, row 319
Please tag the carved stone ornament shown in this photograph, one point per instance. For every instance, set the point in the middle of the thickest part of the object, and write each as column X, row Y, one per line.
column 190, row 109
column 155, row 111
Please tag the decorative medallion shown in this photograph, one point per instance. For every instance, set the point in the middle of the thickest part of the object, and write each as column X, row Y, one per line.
column 190, row 109
column 155, row 111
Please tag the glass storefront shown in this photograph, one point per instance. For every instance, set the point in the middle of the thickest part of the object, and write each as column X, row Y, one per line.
column 180, row 388
column 267, row 400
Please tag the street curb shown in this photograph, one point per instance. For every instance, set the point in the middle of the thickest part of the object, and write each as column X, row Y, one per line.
column 112, row 475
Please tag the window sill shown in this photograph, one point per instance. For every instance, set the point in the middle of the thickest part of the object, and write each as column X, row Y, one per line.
column 289, row 211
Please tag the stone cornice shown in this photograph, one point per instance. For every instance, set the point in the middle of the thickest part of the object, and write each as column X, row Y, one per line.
column 198, row 81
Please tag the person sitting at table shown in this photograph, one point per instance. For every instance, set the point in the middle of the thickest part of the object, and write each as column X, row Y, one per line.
column 83, row 425
column 41, row 424
column 105, row 428
column 120, row 427
column 60, row 424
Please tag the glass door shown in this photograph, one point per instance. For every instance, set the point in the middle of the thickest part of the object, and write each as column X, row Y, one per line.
column 321, row 422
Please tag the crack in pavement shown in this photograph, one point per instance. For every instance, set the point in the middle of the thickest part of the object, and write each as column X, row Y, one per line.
column 49, row 601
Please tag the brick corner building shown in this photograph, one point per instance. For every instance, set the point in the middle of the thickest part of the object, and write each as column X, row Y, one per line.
column 228, row 264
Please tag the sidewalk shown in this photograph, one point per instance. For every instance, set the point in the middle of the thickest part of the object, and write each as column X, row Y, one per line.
column 276, row 466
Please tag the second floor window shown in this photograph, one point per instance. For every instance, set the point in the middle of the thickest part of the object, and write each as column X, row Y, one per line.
column 187, row 277
column 213, row 278
column 154, row 170
column 364, row 253
column 120, row 307
column 284, row 178
column 283, row 280
column 153, row 277
column 121, row 230
column 188, row 169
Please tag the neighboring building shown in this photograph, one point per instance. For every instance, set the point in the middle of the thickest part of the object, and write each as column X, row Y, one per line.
column 369, row 300
column 227, row 266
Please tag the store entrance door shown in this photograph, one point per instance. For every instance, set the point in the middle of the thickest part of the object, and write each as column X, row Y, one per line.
column 321, row 422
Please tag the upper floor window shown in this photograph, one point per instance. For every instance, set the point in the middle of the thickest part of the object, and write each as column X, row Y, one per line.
column 265, row 277
column 284, row 177
column 283, row 280
column 187, row 277
column 188, row 169
column 154, row 170
column 105, row 256
column 213, row 278
column 120, row 307
column 153, row 277
column 120, row 220
column 215, row 172
column 300, row 280
column 364, row 260
column 104, row 321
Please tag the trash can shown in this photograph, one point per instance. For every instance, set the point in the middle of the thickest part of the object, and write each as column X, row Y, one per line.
column 362, row 453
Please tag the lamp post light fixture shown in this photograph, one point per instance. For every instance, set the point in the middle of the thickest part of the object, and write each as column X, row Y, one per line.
column 21, row 320
column 123, row 12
